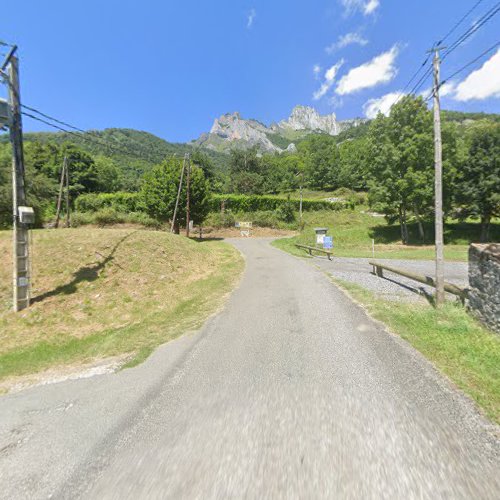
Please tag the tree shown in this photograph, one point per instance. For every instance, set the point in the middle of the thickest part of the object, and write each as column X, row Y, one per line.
column 107, row 175
column 245, row 171
column 401, row 163
column 479, row 177
column 353, row 163
column 321, row 161
column 159, row 193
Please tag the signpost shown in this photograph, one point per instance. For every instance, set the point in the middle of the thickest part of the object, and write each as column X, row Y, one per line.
column 320, row 234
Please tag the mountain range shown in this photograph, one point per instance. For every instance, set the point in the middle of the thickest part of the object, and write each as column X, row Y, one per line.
column 231, row 130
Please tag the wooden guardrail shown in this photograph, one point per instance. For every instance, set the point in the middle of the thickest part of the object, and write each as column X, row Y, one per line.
column 315, row 249
column 378, row 269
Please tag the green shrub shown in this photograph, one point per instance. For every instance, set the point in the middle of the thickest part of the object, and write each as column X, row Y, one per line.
column 120, row 202
column 265, row 218
column 107, row 216
column 143, row 219
column 285, row 212
column 81, row 219
column 220, row 220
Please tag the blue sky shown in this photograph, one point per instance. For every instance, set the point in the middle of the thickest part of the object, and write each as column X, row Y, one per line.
column 170, row 67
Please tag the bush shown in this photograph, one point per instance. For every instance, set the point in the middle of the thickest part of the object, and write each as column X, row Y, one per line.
column 265, row 218
column 120, row 202
column 285, row 212
column 108, row 216
column 81, row 219
column 220, row 220
column 143, row 219
column 254, row 203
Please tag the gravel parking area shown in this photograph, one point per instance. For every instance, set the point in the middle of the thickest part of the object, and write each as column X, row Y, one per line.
column 392, row 286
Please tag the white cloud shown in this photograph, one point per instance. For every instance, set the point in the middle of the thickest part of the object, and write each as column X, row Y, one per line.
column 251, row 18
column 482, row 83
column 380, row 69
column 345, row 40
column 367, row 7
column 316, row 71
column 447, row 88
column 330, row 75
column 383, row 104
column 371, row 6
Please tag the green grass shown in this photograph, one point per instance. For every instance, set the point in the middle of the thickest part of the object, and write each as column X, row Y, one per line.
column 145, row 289
column 449, row 337
column 353, row 231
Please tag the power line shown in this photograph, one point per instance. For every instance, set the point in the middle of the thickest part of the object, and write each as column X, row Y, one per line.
column 465, row 66
column 473, row 29
column 460, row 22
column 461, row 39
column 101, row 140
column 84, row 136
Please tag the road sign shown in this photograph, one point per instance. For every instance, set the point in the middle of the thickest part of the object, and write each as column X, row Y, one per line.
column 327, row 242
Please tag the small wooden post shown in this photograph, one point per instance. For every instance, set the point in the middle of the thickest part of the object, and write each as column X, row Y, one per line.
column 59, row 197
column 188, row 197
column 68, row 224
column 172, row 227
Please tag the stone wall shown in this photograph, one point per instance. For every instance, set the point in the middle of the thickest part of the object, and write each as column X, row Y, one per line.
column 484, row 283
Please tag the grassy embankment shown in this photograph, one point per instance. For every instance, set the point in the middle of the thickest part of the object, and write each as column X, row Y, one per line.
column 457, row 344
column 109, row 292
column 353, row 230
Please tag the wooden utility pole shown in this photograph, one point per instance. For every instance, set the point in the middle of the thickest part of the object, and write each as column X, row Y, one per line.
column 178, row 194
column 21, row 257
column 61, row 189
column 68, row 223
column 438, row 183
column 188, row 196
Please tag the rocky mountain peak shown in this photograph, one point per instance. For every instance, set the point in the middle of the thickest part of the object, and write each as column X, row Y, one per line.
column 307, row 118
column 231, row 130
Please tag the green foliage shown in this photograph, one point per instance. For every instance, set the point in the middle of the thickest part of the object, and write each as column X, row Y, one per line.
column 159, row 193
column 254, row 203
column 121, row 202
column 401, row 167
column 220, row 220
column 479, row 177
column 321, row 161
column 285, row 212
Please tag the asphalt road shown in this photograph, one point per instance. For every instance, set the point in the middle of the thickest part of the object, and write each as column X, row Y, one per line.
column 290, row 392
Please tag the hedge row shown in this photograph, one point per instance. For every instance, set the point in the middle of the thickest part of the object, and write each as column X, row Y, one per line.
column 130, row 202
column 254, row 203
column 121, row 202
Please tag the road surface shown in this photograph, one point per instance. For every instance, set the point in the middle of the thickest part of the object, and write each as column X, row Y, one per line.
column 290, row 392
column 393, row 286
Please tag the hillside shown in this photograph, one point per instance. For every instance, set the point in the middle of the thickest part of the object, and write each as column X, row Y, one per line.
column 113, row 284
column 134, row 151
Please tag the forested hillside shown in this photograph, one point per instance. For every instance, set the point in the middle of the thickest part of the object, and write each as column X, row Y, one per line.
column 133, row 151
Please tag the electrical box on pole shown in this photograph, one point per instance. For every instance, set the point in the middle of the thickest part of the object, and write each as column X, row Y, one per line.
column 4, row 113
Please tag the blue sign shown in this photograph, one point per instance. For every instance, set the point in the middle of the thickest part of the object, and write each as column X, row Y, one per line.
column 328, row 242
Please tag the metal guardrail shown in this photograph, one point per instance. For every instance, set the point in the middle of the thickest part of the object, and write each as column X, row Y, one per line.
column 310, row 249
column 378, row 269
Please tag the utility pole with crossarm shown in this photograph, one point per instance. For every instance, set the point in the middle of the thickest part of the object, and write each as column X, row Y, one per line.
column 22, row 215
column 438, row 182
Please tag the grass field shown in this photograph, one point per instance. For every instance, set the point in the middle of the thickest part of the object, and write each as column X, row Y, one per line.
column 109, row 292
column 353, row 231
column 457, row 345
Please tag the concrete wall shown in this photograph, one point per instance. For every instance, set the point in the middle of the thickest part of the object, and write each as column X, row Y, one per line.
column 484, row 283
